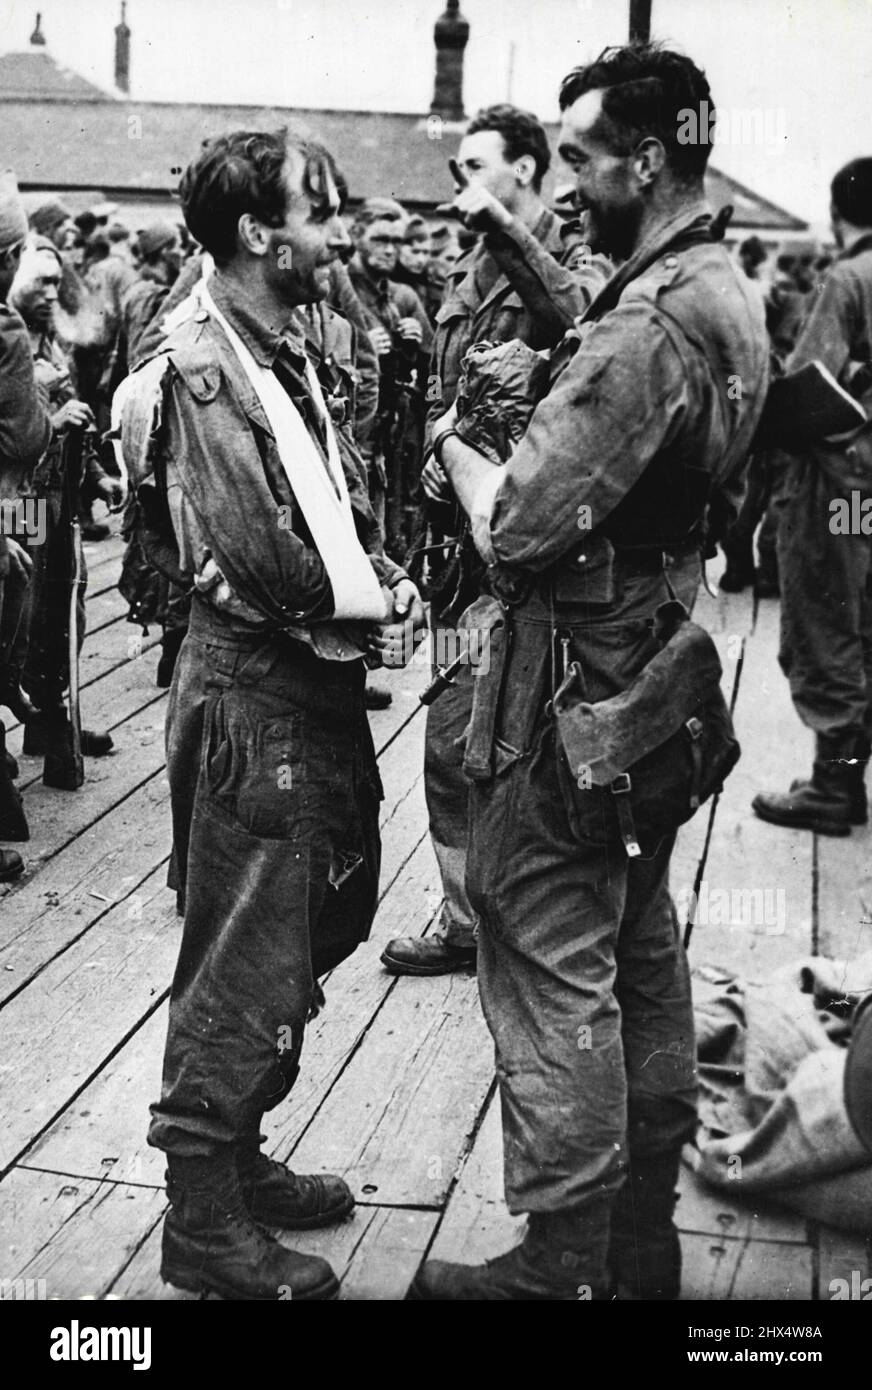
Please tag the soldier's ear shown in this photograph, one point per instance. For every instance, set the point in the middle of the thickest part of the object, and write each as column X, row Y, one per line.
column 525, row 170
column 253, row 235
column 649, row 159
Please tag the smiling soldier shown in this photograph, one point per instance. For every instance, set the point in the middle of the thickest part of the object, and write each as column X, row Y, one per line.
column 252, row 496
column 582, row 974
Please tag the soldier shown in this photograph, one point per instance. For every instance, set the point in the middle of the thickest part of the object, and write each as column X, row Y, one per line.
column 159, row 247
column 415, row 268
column 824, row 559
column 25, row 431
column 582, row 975
column 253, row 492
column 402, row 337
column 528, row 277
column 68, row 476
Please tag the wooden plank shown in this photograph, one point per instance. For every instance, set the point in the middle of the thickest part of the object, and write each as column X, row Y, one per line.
column 124, row 693
column 724, row 613
column 75, row 1235
column 706, row 1210
column 111, row 697
column 57, row 817
column 749, row 859
column 690, row 846
column 724, row 1270
column 375, row 1255
column 60, row 1031
column 845, row 894
column 476, row 1224
column 846, row 1258
column 104, row 866
column 103, row 609
column 402, row 1112
column 104, row 558
column 102, row 1133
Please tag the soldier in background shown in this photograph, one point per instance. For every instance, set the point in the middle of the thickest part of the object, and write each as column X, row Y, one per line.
column 68, row 478
column 526, row 276
column 826, row 568
column 159, row 248
column 25, row 431
column 402, row 337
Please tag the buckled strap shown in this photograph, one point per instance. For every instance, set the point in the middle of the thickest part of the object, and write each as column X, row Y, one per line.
column 620, row 789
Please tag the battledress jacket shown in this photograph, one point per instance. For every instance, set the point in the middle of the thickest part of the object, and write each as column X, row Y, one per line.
column 204, row 465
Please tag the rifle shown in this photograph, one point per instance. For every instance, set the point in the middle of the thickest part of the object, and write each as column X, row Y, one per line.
column 72, row 468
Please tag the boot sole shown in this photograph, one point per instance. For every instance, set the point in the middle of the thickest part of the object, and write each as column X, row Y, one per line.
column 195, row 1282
column 834, row 828
column 396, row 967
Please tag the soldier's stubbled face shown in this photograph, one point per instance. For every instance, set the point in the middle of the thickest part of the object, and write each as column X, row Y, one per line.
column 297, row 265
column 35, row 289
column 606, row 183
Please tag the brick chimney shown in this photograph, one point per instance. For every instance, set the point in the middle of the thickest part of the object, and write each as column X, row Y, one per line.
column 122, row 53
column 451, row 34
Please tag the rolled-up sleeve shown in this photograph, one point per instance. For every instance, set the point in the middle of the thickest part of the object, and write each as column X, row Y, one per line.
column 622, row 397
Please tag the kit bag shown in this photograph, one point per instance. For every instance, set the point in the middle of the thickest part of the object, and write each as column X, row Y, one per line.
column 664, row 745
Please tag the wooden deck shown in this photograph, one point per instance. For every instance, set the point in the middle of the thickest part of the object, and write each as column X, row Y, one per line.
column 397, row 1089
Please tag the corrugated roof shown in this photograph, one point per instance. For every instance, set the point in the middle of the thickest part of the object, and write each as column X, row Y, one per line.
column 35, row 75
column 142, row 147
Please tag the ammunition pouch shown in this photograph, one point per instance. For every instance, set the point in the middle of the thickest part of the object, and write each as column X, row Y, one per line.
column 664, row 745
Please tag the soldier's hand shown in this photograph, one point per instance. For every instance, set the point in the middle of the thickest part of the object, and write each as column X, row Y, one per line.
column 111, row 491
column 393, row 643
column 434, row 482
column 474, row 206
column 410, row 329
column 20, row 562
column 381, row 340
column 75, row 413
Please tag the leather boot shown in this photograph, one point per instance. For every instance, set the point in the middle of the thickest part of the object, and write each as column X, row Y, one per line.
column 826, row 803
column 61, row 768
column 739, row 572
column 561, row 1258
column 211, row 1244
column 644, row 1251
column 427, row 955
column 274, row 1196
column 13, row 821
column 11, row 865
column 46, row 732
column 170, row 646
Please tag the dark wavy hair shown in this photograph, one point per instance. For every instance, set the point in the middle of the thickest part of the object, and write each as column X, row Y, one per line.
column 851, row 192
column 522, row 134
column 646, row 90
column 241, row 172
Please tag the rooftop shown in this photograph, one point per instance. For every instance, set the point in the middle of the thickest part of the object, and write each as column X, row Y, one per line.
column 141, row 148
column 35, row 76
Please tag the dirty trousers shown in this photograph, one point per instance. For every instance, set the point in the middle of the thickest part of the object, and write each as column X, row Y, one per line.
column 447, row 793
column 275, row 796
column 826, row 598
column 582, row 974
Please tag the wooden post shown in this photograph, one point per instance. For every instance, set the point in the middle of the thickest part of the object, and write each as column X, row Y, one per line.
column 640, row 21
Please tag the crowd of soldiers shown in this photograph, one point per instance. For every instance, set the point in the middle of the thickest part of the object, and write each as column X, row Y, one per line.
column 283, row 380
